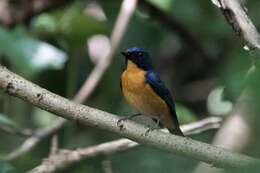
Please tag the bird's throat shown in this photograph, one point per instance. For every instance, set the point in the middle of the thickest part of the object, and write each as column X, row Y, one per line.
column 131, row 66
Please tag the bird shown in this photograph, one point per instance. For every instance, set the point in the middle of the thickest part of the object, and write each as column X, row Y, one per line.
column 145, row 91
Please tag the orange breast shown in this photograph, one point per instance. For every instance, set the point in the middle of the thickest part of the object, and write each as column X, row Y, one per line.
column 142, row 97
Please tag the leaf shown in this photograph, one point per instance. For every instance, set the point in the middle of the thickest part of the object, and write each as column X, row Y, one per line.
column 29, row 56
column 6, row 167
column 98, row 47
column 164, row 5
column 45, row 23
column 42, row 118
column 77, row 26
column 235, row 73
column 215, row 103
column 185, row 115
column 6, row 121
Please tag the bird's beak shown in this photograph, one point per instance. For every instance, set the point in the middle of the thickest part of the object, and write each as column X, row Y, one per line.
column 124, row 53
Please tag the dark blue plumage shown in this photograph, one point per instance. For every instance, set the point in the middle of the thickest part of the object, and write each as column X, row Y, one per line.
column 140, row 57
column 159, row 101
column 158, row 86
column 135, row 49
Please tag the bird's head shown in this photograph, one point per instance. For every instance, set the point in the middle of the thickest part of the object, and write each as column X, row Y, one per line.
column 139, row 57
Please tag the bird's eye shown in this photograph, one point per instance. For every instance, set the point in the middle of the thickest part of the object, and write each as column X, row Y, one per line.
column 140, row 54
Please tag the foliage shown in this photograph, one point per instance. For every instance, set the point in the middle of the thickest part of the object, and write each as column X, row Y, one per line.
column 51, row 50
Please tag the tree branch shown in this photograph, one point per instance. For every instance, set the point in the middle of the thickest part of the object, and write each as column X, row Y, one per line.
column 42, row 98
column 16, row 131
column 124, row 17
column 237, row 17
column 66, row 158
column 34, row 139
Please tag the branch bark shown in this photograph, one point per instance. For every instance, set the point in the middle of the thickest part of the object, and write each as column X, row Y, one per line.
column 237, row 17
column 17, row 86
column 66, row 158
column 124, row 17
column 35, row 139
column 239, row 138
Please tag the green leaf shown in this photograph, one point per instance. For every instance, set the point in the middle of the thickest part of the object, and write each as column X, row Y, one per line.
column 6, row 121
column 235, row 73
column 42, row 118
column 216, row 104
column 164, row 5
column 29, row 56
column 6, row 167
column 77, row 26
column 185, row 115
column 45, row 23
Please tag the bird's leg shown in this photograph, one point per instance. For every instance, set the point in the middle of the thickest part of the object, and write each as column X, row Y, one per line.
column 128, row 118
column 158, row 122
column 157, row 127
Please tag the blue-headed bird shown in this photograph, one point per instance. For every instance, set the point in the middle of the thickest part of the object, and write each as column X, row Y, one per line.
column 145, row 91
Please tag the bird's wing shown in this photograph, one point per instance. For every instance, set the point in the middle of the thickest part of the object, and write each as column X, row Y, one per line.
column 158, row 86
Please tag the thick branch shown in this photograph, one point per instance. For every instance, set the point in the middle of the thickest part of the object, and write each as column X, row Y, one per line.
column 237, row 17
column 66, row 158
column 29, row 92
column 124, row 17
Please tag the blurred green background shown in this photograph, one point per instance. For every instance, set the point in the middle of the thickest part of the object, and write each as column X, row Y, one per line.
column 53, row 49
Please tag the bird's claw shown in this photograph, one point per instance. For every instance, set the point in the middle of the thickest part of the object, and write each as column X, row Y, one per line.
column 119, row 122
column 151, row 129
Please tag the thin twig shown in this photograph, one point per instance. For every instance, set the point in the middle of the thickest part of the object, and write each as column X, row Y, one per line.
column 33, row 140
column 127, row 9
column 17, row 131
column 107, row 166
column 49, row 165
column 240, row 137
column 17, row 86
column 124, row 17
column 237, row 17
column 54, row 145
column 202, row 125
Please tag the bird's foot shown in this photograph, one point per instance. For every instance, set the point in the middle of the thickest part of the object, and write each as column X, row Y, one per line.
column 151, row 129
column 119, row 122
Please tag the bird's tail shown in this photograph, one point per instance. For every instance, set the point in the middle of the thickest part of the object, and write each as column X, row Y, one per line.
column 176, row 131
